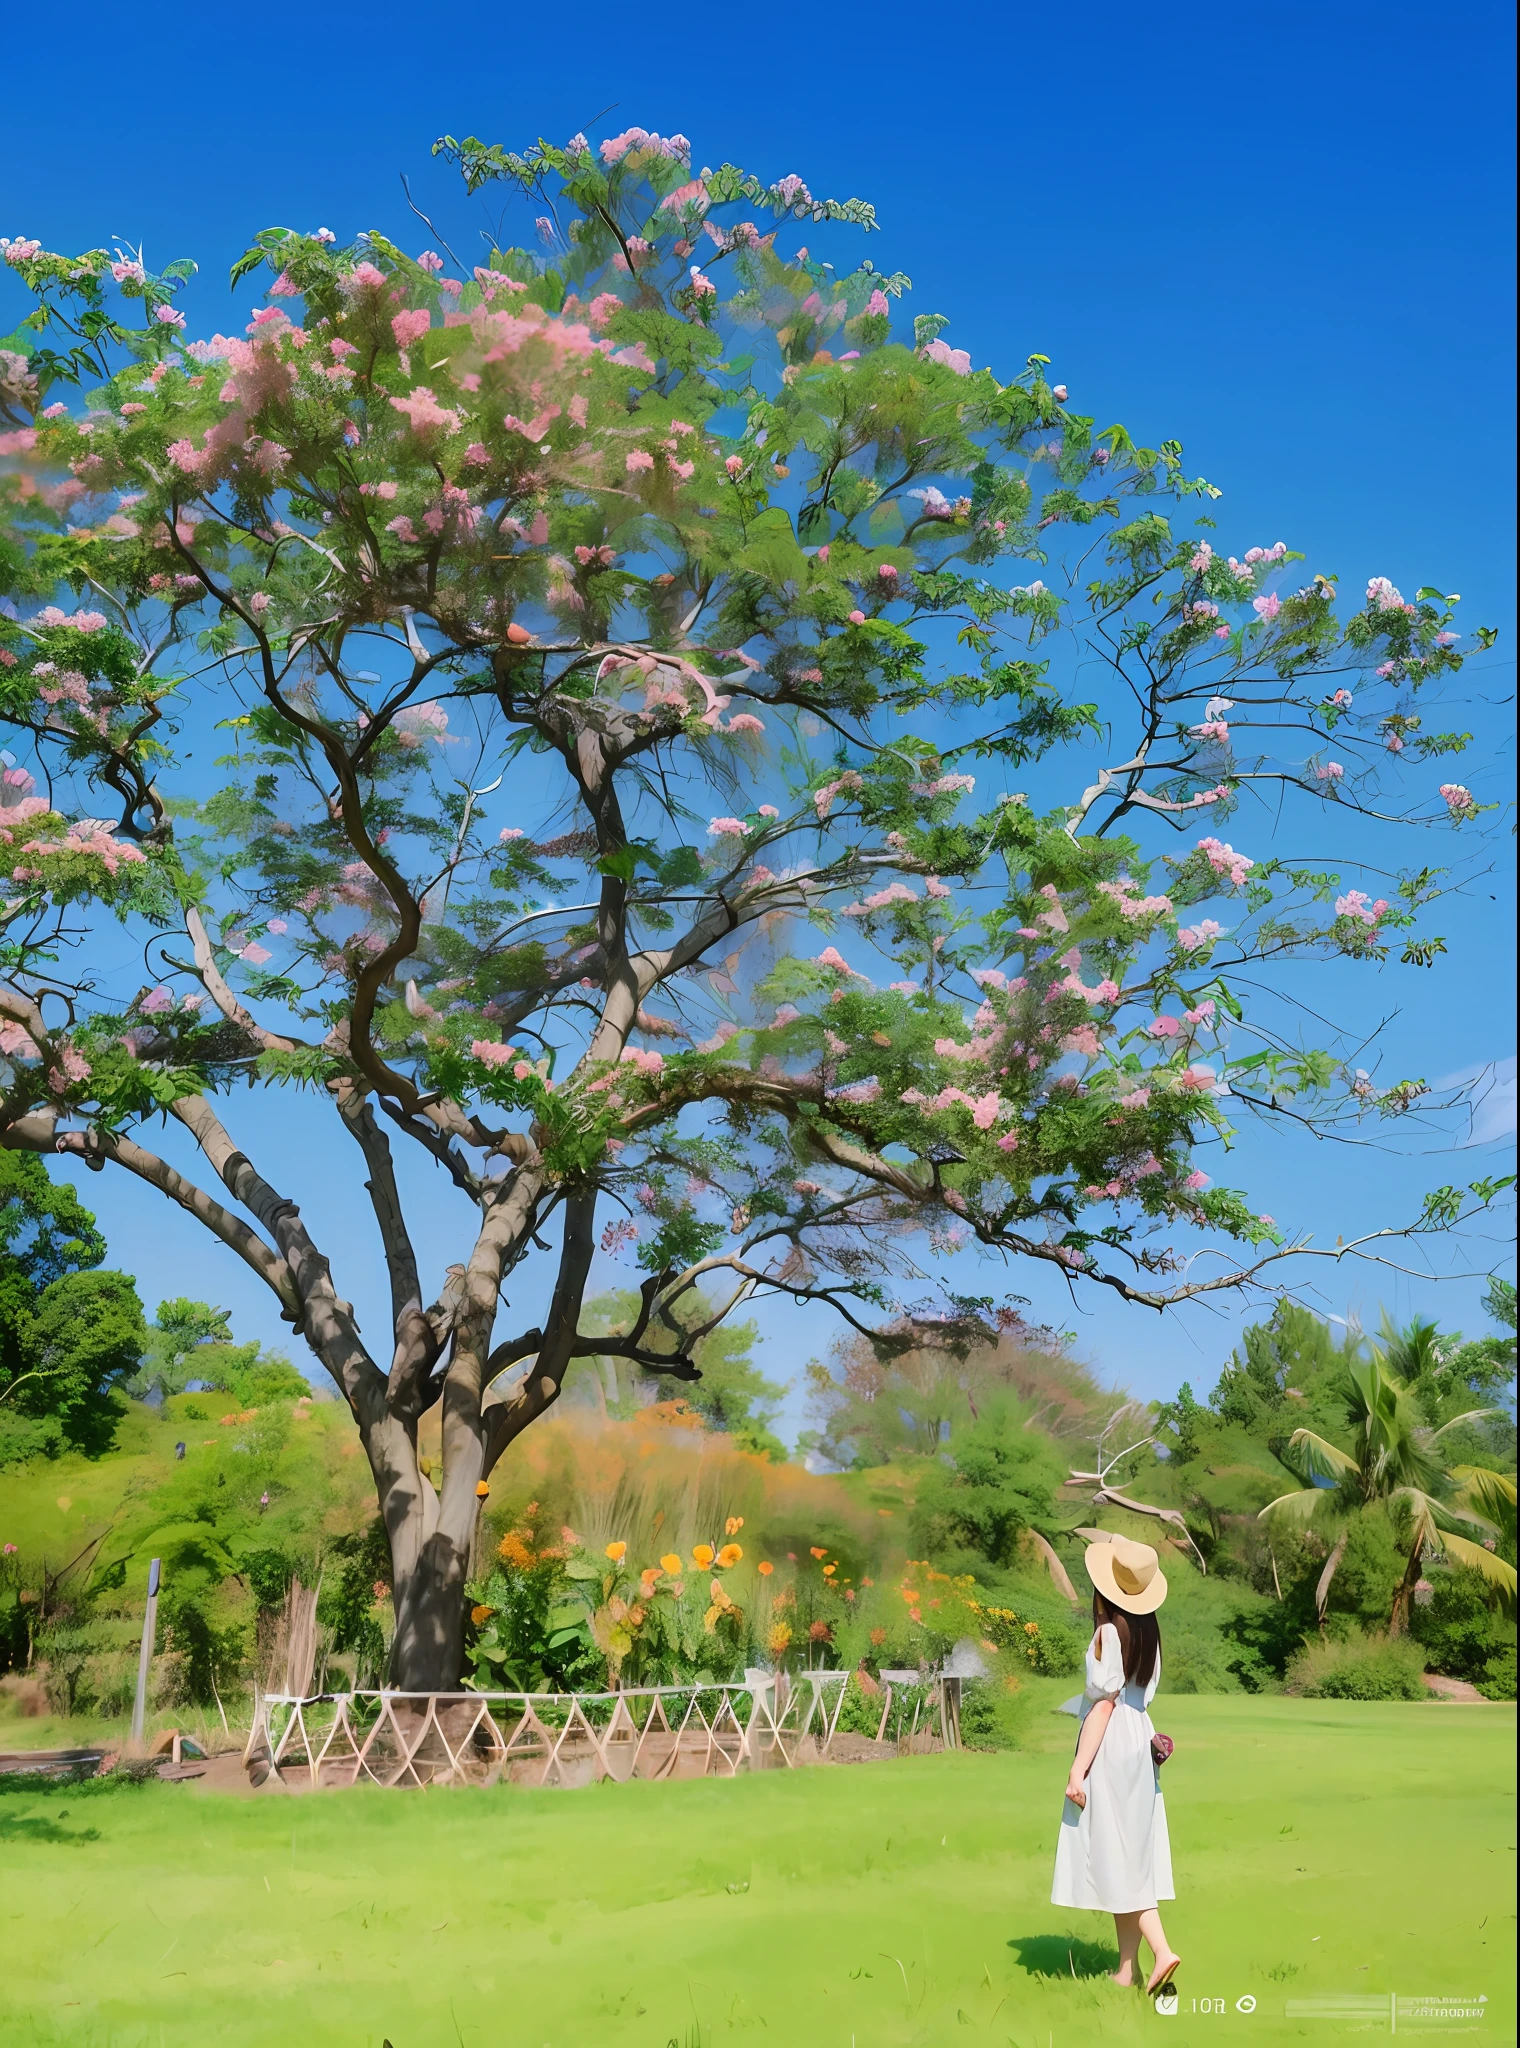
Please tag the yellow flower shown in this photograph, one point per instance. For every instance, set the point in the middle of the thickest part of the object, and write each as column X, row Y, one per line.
column 671, row 1564
column 778, row 1638
column 481, row 1489
column 829, row 1570
column 733, row 1525
column 710, row 1619
column 730, row 1554
column 702, row 1556
column 617, row 1552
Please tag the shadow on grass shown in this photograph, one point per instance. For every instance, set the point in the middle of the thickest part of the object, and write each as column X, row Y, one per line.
column 1057, row 1955
column 41, row 1827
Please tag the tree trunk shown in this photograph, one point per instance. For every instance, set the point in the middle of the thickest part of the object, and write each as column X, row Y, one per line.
column 427, row 1653
column 1326, row 1577
column 1398, row 1619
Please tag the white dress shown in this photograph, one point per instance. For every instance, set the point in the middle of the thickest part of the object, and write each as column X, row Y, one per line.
column 1114, row 1855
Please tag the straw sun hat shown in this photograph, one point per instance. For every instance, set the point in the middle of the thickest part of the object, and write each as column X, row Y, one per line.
column 1127, row 1573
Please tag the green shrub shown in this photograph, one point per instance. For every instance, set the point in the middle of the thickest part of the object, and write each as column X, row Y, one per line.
column 1373, row 1668
column 994, row 1713
column 1498, row 1678
column 860, row 1711
column 1459, row 1629
column 1058, row 1650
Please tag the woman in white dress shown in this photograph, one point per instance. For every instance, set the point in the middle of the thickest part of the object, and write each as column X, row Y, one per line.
column 1113, row 1854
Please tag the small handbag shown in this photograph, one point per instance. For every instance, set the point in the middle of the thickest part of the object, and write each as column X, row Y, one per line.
column 1161, row 1748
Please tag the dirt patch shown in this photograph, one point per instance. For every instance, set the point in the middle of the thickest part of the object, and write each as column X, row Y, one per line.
column 1455, row 1689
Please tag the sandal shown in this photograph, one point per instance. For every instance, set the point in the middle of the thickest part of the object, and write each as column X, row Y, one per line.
column 1166, row 1980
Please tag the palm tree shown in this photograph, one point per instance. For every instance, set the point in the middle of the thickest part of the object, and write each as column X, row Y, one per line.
column 1395, row 1462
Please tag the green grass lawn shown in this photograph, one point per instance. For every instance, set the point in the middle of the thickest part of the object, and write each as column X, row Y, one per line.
column 1320, row 1847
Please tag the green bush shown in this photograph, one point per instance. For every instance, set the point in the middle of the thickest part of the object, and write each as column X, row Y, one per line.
column 994, row 1713
column 1374, row 1668
column 1058, row 1650
column 860, row 1711
column 1498, row 1678
column 1459, row 1629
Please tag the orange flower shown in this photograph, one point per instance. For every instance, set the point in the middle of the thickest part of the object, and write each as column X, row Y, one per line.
column 1031, row 1628
column 617, row 1552
column 816, row 1552
column 829, row 1570
column 480, row 1615
column 733, row 1525
column 878, row 1637
column 481, row 1489
column 730, row 1554
column 670, row 1564
column 766, row 1570
column 914, row 1615
column 778, row 1638
column 702, row 1556
column 512, row 1550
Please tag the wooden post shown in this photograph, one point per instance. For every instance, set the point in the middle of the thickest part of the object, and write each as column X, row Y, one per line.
column 150, row 1624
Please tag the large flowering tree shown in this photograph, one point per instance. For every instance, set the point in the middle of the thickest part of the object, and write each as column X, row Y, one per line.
column 731, row 588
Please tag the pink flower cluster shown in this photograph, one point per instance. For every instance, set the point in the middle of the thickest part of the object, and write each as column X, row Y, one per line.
column 1191, row 937
column 955, row 359
column 1224, row 860
column 1383, row 597
column 1458, row 799
column 1355, row 904
column 82, row 622
column 491, row 1054
column 846, row 783
column 642, row 1062
column 1122, row 894
column 640, row 147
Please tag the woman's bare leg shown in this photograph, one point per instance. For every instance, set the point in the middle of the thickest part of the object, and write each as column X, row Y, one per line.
column 1127, row 1929
column 1148, row 1928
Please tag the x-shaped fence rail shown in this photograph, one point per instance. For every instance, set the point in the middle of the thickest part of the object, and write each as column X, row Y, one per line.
column 400, row 1738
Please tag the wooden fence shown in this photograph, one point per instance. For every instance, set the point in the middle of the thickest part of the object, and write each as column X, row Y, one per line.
column 566, row 1739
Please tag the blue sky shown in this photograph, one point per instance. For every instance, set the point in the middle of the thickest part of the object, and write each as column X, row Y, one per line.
column 1283, row 238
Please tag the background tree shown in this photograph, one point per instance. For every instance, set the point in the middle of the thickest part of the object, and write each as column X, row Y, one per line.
column 732, row 1395
column 190, row 1344
column 705, row 571
column 1395, row 1462
column 69, row 1333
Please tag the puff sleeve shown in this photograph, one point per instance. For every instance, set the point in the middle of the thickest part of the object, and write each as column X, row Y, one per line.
column 1105, row 1665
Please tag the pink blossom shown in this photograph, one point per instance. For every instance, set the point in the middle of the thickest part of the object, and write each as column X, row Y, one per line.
column 1197, row 1080
column 1224, row 860
column 1139, row 1098
column 1457, row 798
column 278, row 926
column 1163, row 1027
column 168, row 316
column 933, row 886
column 727, row 828
column 424, row 411
column 490, row 1054
column 831, row 957
column 1083, row 1040
column 1202, row 1014
column 745, row 721
column 769, row 811
column 255, row 954
column 1204, row 933
column 1195, row 1181
column 643, row 1062
column 511, row 832
column 636, row 460
column 411, row 326
column 1009, row 1142
column 1330, row 771
column 955, row 359
column 1267, row 606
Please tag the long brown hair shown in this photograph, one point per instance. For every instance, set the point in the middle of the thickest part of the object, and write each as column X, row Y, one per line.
column 1139, row 1639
